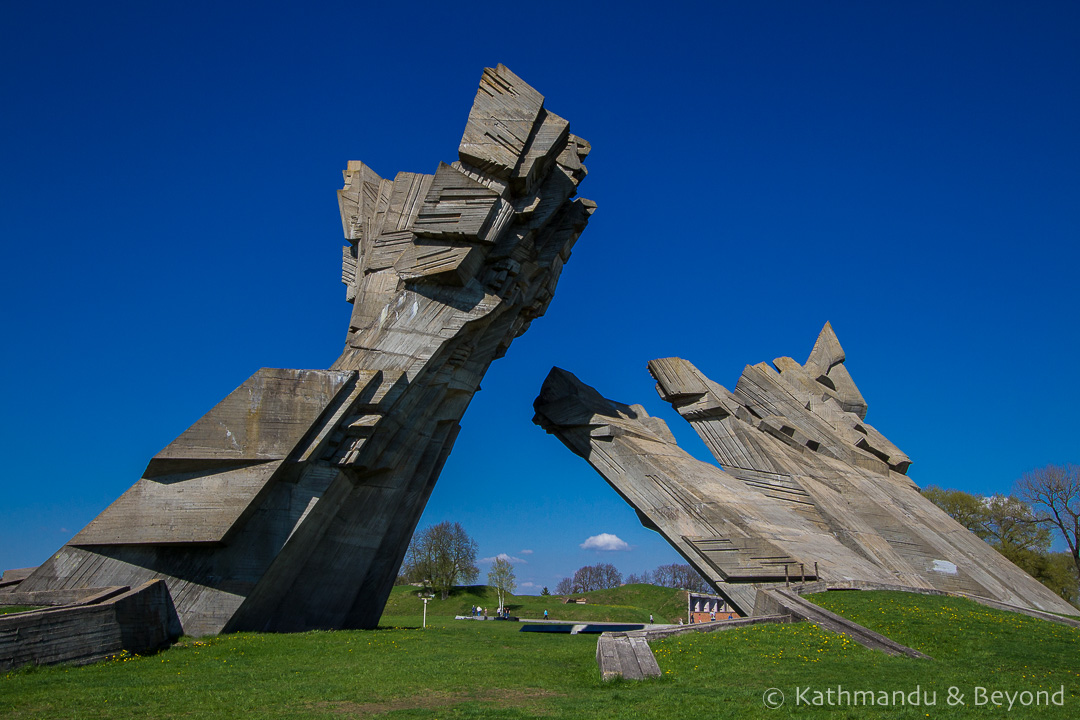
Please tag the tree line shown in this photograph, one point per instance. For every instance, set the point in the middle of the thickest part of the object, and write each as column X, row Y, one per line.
column 604, row 575
column 675, row 575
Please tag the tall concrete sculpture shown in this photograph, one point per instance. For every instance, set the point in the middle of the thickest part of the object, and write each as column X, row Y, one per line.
column 290, row 505
column 808, row 489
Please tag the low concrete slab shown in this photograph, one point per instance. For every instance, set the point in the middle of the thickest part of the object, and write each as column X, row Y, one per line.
column 138, row 620
column 78, row 596
column 628, row 655
column 625, row 655
column 580, row 628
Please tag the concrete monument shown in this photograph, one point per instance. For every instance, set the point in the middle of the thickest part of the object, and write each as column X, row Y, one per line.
column 289, row 505
column 808, row 490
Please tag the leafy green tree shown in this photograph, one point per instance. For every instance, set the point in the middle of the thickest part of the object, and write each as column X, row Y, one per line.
column 1006, row 522
column 967, row 509
column 545, row 591
column 442, row 556
column 501, row 577
column 1013, row 528
column 1057, row 572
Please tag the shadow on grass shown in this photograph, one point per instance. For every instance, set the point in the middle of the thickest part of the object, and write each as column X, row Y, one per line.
column 480, row 591
column 474, row 590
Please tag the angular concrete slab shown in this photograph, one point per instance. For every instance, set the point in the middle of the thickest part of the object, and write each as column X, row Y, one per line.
column 808, row 489
column 289, row 506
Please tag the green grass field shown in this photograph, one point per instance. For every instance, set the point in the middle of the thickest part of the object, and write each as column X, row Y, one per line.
column 468, row 669
column 629, row 603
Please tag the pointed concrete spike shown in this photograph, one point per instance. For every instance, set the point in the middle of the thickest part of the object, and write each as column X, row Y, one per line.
column 846, row 391
column 827, row 351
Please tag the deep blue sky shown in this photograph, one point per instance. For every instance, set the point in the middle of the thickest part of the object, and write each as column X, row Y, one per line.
column 908, row 170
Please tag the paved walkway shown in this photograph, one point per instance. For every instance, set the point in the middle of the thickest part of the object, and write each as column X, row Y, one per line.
column 554, row 621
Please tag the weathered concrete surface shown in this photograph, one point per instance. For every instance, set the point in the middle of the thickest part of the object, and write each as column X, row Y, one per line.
column 138, row 620
column 73, row 596
column 625, row 655
column 14, row 576
column 290, row 505
column 808, row 489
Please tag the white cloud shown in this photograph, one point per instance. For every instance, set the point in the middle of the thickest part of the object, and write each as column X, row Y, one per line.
column 606, row 542
column 525, row 552
column 506, row 557
column 527, row 585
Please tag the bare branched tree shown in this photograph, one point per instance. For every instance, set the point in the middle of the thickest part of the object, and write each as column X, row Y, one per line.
column 596, row 577
column 584, row 579
column 442, row 556
column 1054, row 493
column 680, row 575
column 608, row 576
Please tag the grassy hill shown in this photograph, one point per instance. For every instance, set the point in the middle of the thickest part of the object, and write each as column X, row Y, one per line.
column 629, row 603
column 465, row 669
